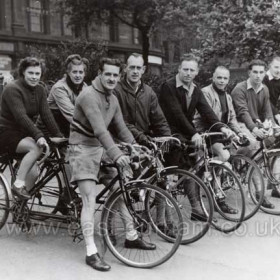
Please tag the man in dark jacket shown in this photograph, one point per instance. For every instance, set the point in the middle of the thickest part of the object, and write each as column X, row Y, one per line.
column 141, row 111
column 143, row 116
column 179, row 99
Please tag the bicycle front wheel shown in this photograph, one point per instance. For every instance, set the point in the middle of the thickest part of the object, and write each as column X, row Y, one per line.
column 271, row 173
column 120, row 221
column 4, row 204
column 193, row 198
column 229, row 200
column 251, row 179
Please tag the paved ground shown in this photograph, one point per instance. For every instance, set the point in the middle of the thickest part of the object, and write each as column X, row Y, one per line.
column 250, row 253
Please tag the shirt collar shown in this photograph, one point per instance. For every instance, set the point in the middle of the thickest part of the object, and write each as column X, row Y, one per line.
column 180, row 84
column 249, row 86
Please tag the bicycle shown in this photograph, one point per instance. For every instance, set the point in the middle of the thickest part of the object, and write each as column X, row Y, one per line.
column 224, row 187
column 111, row 219
column 176, row 181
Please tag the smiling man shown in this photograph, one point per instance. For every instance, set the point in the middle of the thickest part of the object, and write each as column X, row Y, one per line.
column 90, row 141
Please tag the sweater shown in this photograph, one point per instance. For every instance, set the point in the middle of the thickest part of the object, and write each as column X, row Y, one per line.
column 141, row 111
column 96, row 109
column 20, row 105
column 179, row 117
column 213, row 100
column 274, row 93
column 250, row 106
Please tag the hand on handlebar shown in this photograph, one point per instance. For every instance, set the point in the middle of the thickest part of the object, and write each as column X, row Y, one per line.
column 197, row 140
column 260, row 133
column 228, row 132
column 123, row 161
column 42, row 142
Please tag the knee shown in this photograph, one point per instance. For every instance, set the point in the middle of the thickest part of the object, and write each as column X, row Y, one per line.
column 224, row 156
column 34, row 149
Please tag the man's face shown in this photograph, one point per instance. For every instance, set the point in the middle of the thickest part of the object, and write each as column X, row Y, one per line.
column 76, row 74
column 221, row 78
column 275, row 69
column 110, row 76
column 256, row 74
column 187, row 71
column 32, row 75
column 135, row 69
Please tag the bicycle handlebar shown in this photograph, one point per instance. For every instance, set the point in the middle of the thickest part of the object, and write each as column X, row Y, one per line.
column 47, row 153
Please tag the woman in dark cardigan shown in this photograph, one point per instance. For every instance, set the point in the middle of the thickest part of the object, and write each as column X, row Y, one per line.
column 22, row 101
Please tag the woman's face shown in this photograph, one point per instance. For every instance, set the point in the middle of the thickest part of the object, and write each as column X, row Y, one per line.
column 77, row 74
column 32, row 75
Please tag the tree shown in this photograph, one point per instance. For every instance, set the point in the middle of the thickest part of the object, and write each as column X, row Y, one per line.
column 240, row 29
column 145, row 15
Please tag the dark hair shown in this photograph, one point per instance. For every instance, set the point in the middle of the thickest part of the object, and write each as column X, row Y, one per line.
column 109, row 61
column 189, row 57
column 256, row 62
column 76, row 59
column 30, row 61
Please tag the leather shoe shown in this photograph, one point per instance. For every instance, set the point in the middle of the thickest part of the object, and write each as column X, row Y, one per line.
column 226, row 208
column 21, row 193
column 96, row 262
column 275, row 193
column 139, row 244
column 198, row 216
column 266, row 203
column 169, row 230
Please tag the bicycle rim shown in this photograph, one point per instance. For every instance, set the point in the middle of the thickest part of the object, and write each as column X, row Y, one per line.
column 229, row 189
column 193, row 198
column 115, row 220
column 4, row 204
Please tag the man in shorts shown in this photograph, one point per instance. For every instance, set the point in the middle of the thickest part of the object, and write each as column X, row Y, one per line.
column 90, row 140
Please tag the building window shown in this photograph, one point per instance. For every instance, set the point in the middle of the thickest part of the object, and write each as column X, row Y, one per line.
column 37, row 16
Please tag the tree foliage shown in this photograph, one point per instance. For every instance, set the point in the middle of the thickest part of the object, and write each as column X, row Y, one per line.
column 145, row 15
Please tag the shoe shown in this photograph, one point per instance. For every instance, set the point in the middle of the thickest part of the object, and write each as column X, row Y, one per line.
column 169, row 230
column 139, row 244
column 199, row 216
column 275, row 193
column 96, row 262
column 226, row 208
column 21, row 193
column 62, row 207
column 267, row 204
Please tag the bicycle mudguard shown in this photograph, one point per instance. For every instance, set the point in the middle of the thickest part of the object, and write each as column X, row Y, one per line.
column 7, row 185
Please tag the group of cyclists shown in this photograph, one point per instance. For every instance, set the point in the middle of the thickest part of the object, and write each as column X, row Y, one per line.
column 119, row 105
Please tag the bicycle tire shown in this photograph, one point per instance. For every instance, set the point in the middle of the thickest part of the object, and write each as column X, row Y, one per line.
column 268, row 192
column 177, row 181
column 251, row 179
column 233, row 196
column 135, row 257
column 4, row 204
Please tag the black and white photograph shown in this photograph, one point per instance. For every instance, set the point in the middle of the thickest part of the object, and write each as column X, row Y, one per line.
column 139, row 139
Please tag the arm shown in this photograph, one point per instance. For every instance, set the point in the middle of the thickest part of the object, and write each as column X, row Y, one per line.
column 158, row 121
column 273, row 96
column 120, row 128
column 91, row 108
column 241, row 107
column 138, row 134
column 173, row 111
column 267, row 105
column 63, row 102
column 233, row 124
column 207, row 114
column 15, row 102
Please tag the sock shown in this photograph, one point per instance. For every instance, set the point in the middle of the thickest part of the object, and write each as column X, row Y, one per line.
column 19, row 183
column 91, row 249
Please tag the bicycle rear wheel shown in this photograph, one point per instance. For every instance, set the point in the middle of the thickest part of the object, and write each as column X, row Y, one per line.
column 116, row 218
column 196, row 205
column 4, row 203
column 228, row 194
column 251, row 179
